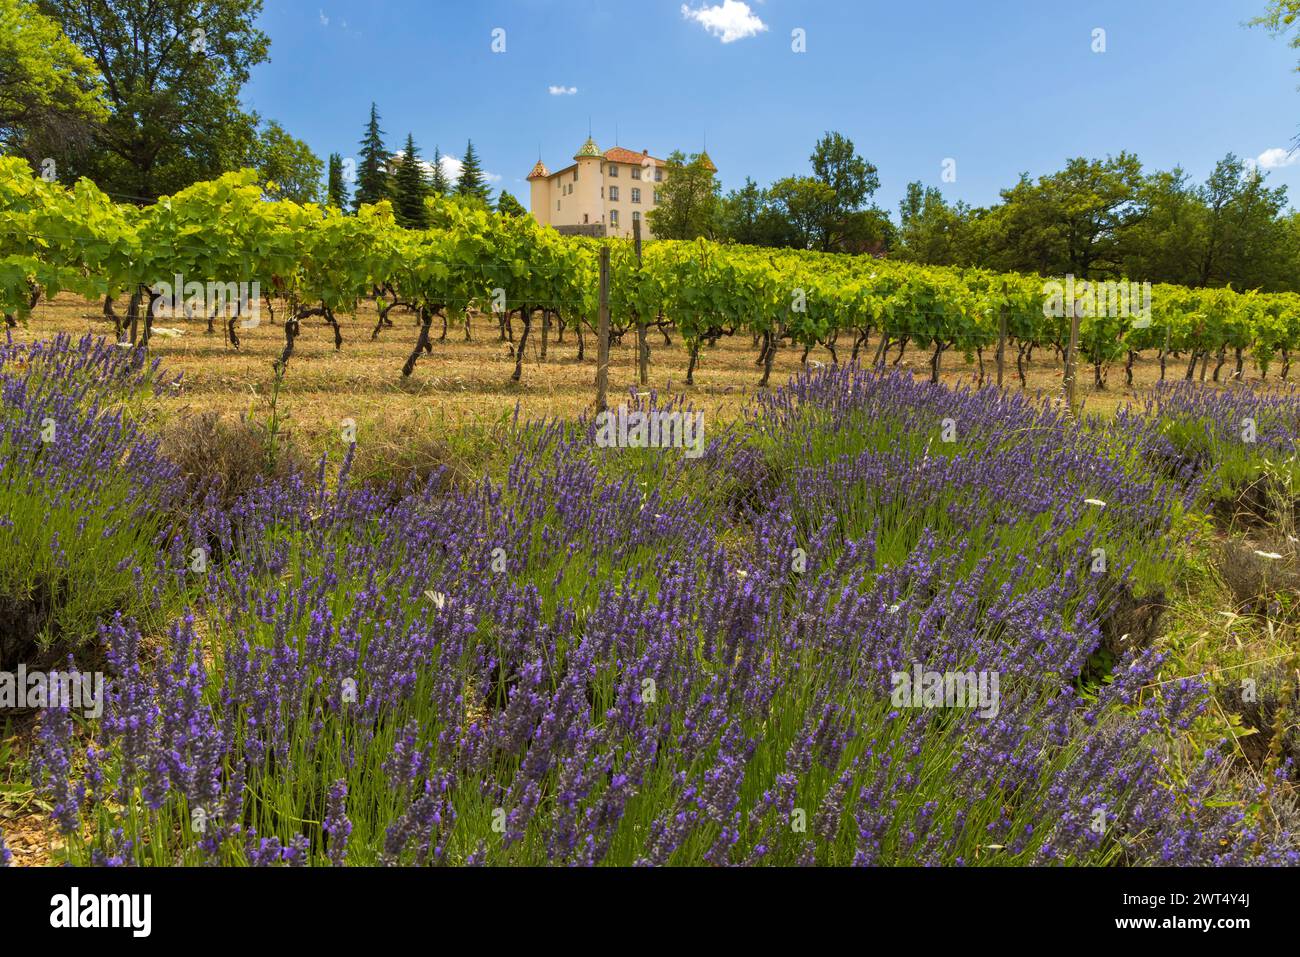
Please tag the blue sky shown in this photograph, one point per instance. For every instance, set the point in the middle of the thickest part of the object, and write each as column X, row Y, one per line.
column 999, row 86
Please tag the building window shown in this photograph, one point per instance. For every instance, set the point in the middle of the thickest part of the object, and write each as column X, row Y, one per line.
column 613, row 171
column 636, row 215
column 575, row 175
column 613, row 216
column 659, row 175
column 636, row 195
column 584, row 218
column 659, row 196
column 636, row 172
column 613, row 194
column 557, row 205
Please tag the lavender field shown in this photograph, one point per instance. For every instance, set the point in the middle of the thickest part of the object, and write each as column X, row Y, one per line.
column 874, row 622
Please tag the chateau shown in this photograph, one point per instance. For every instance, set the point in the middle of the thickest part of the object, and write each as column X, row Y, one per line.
column 602, row 193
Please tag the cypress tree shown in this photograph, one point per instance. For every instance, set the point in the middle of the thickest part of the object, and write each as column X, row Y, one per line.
column 337, row 191
column 372, row 177
column 438, row 184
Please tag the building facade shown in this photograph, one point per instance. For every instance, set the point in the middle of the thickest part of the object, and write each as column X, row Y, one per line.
column 601, row 194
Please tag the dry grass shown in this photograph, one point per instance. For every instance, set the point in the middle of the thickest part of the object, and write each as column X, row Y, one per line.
column 469, row 382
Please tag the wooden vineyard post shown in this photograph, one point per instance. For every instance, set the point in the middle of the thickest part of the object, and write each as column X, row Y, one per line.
column 642, row 347
column 1002, row 340
column 1071, row 355
column 602, row 333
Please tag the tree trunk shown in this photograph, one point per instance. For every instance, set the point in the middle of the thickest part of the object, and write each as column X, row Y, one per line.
column 133, row 313
column 934, row 362
column 769, row 353
column 902, row 347
column 291, row 329
column 690, row 368
column 422, row 343
column 526, row 313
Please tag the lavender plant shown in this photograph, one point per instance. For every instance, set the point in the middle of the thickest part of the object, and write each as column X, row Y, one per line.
column 633, row 657
column 84, row 489
column 1233, row 436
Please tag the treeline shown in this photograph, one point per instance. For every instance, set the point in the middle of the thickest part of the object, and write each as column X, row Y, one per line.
column 826, row 211
column 1102, row 219
column 143, row 100
column 1095, row 219
column 406, row 180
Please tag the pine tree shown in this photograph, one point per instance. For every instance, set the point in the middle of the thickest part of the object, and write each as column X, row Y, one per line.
column 438, row 184
column 409, row 188
column 337, row 192
column 472, row 184
column 372, row 177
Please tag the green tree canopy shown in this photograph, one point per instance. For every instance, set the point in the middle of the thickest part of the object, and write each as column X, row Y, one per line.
column 507, row 205
column 172, row 70
column 290, row 170
column 51, row 93
column 850, row 179
column 690, row 200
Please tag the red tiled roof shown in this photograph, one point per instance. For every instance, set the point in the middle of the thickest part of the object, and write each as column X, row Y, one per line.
column 539, row 171
column 617, row 154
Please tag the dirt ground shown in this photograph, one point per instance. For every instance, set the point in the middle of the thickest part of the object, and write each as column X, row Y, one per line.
column 467, row 382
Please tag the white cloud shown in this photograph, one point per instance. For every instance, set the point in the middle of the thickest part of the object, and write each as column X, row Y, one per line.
column 451, row 168
column 562, row 90
column 324, row 20
column 732, row 20
column 1277, row 157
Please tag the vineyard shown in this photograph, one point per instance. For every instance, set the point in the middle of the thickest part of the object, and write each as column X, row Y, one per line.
column 314, row 263
column 576, row 650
